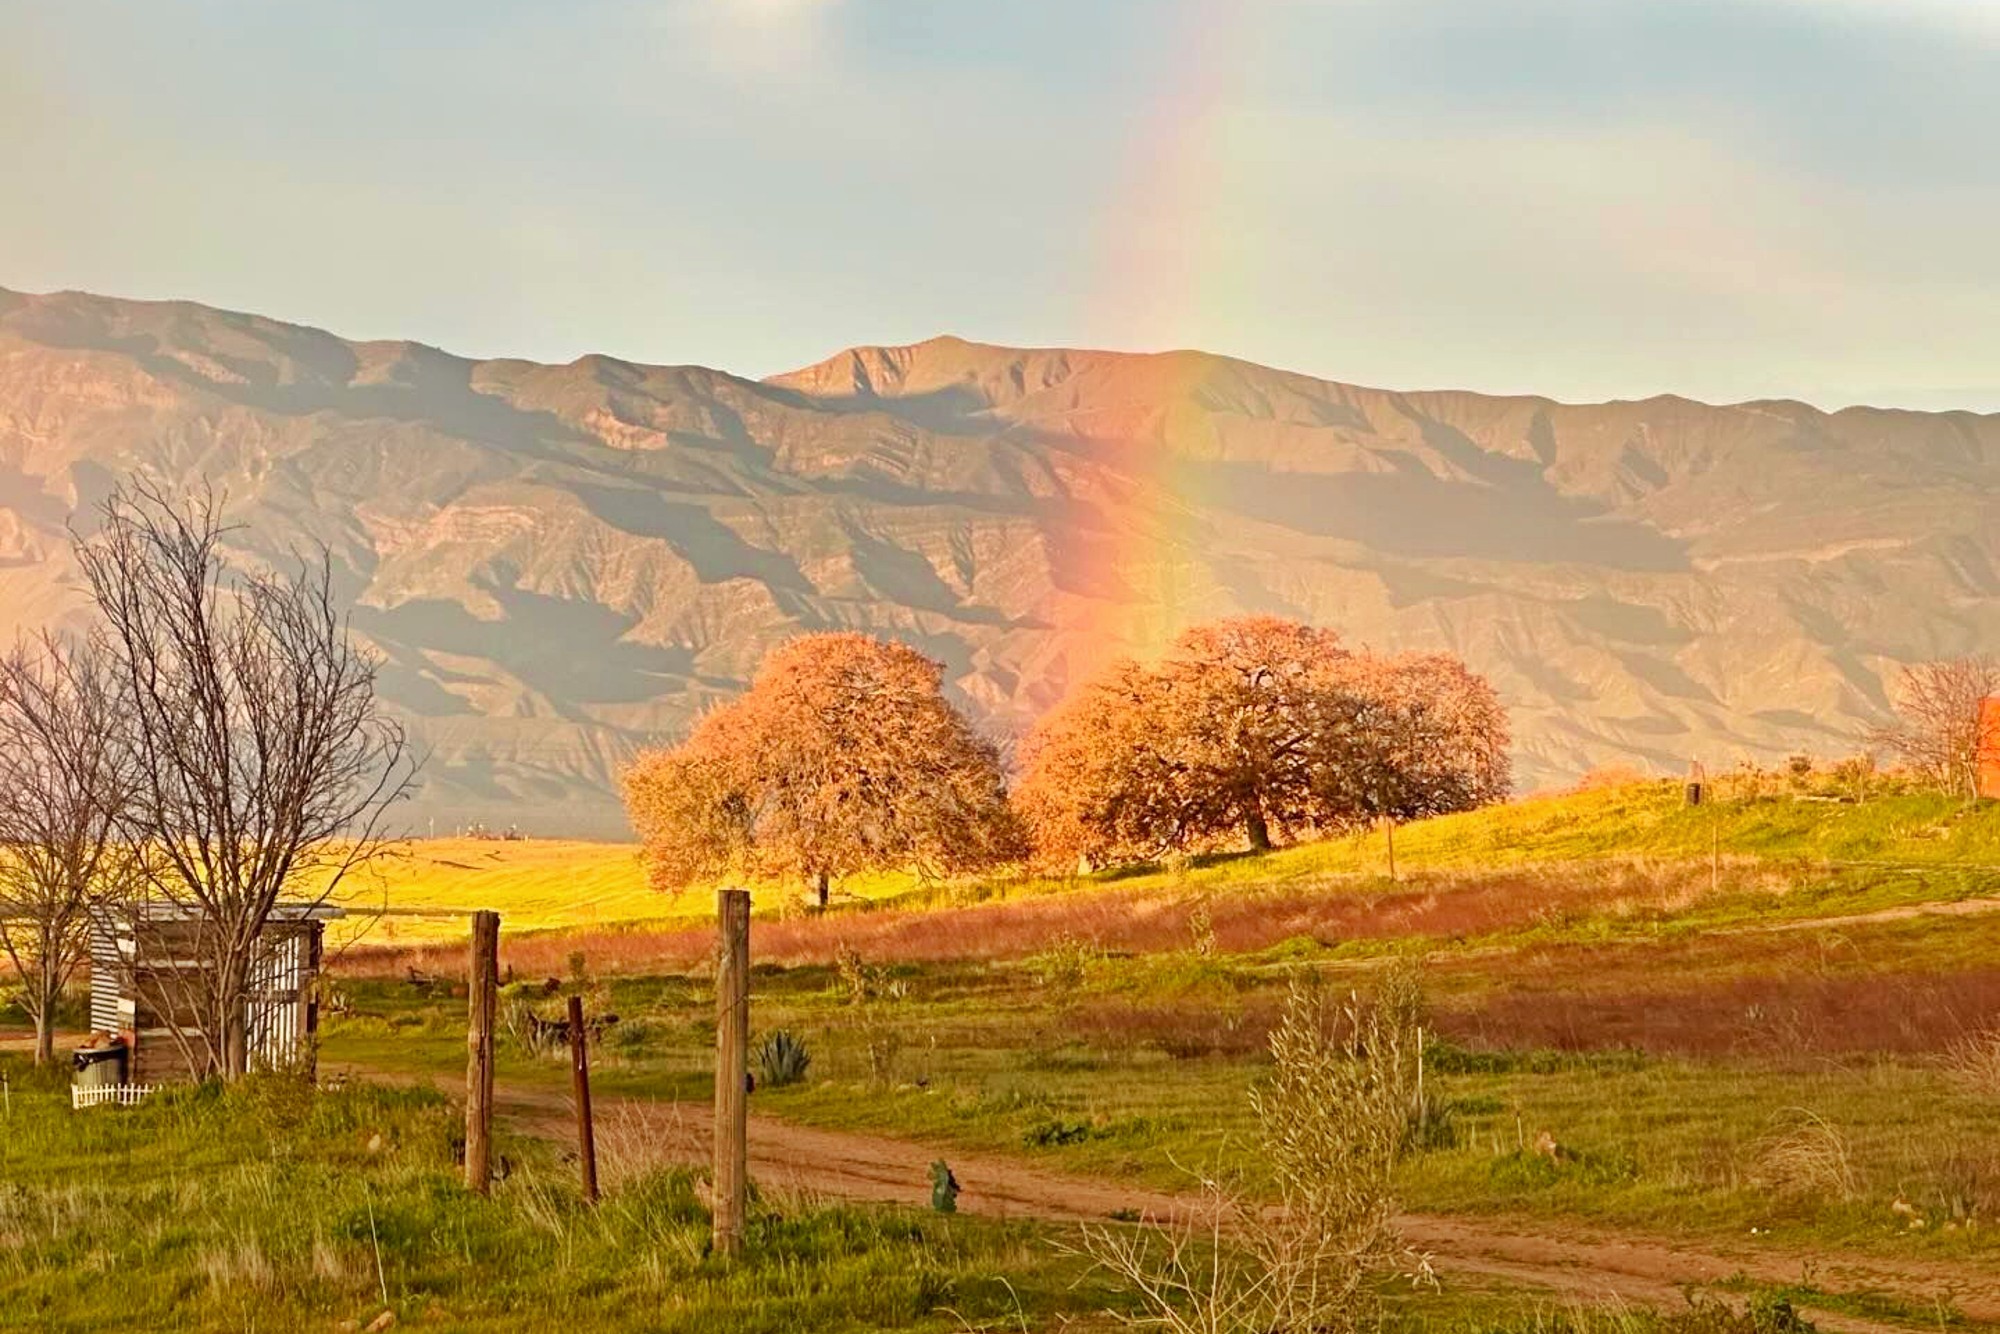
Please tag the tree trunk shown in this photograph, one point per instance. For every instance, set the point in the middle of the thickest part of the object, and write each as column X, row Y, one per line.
column 1259, row 831
column 824, row 889
column 45, row 1035
column 236, row 1045
column 235, row 1039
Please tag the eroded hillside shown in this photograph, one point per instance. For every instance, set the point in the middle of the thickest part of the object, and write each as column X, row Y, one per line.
column 559, row 562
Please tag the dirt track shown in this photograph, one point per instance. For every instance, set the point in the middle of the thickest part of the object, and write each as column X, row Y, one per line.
column 1590, row 1265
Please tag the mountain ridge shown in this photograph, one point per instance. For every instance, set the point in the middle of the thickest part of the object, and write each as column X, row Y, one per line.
column 560, row 562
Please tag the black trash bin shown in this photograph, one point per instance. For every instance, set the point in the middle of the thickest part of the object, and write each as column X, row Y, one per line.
column 99, row 1067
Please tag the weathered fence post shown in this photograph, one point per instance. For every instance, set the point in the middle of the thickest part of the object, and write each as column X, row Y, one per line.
column 1389, row 834
column 579, row 1064
column 482, row 1001
column 732, row 1068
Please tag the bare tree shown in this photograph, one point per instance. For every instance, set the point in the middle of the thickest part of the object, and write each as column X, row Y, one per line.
column 262, row 768
column 1937, row 731
column 64, row 781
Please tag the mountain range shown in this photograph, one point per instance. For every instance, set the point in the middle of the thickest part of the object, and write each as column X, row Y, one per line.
column 560, row 563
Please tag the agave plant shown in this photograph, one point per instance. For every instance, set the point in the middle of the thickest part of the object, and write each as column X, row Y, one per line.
column 782, row 1059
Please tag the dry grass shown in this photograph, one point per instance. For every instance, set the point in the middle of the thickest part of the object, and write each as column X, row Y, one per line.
column 636, row 1139
column 1327, row 909
column 1333, row 1120
column 1807, row 1156
column 1974, row 1062
column 422, row 892
column 1596, row 999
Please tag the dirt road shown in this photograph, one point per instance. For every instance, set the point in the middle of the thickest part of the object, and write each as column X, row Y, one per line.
column 1590, row 1265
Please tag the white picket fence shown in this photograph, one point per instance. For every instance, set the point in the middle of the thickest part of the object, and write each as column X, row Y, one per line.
column 99, row 1095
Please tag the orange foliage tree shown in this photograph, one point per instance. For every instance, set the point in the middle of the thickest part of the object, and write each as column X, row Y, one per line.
column 1255, row 724
column 843, row 756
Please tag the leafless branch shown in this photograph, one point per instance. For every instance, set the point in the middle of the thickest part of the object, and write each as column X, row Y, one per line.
column 264, row 770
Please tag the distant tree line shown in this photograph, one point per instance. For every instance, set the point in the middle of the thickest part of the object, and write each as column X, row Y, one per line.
column 844, row 756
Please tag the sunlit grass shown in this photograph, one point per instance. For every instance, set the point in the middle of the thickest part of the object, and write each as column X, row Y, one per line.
column 424, row 890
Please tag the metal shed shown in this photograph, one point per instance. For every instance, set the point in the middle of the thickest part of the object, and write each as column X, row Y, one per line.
column 142, row 958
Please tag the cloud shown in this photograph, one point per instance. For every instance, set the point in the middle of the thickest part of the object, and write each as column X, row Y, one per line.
column 753, row 37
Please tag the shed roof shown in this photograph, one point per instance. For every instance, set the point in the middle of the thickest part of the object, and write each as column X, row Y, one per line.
column 163, row 910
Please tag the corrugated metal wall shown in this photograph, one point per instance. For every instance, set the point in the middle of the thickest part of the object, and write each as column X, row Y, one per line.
column 106, row 986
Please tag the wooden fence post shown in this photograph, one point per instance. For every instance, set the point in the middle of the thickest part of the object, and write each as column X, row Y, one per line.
column 579, row 1064
column 732, row 1068
column 482, row 1002
column 1389, row 833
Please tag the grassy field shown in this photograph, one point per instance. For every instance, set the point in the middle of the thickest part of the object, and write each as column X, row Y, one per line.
column 425, row 890
column 1903, row 848
column 1718, row 1023
column 1139, row 1068
column 274, row 1208
column 1741, row 1025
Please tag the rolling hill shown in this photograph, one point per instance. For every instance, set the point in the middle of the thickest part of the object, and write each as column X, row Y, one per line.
column 561, row 562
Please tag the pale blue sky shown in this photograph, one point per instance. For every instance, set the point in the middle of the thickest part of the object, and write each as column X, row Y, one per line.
column 1587, row 198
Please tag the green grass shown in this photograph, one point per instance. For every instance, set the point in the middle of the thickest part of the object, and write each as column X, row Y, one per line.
column 271, row 1207
column 268, row 1207
column 1929, row 846
column 1765, row 820
column 263, row 1208
column 1000, row 1059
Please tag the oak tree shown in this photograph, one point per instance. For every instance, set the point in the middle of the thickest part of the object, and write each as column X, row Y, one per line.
column 843, row 756
column 1252, row 727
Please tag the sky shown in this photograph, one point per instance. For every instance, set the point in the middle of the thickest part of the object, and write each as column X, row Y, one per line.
column 1584, row 198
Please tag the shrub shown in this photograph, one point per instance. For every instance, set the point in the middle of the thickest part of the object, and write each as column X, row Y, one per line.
column 636, row 1036
column 1062, row 968
column 1053, row 1132
column 870, row 993
column 782, row 1059
column 1334, row 1121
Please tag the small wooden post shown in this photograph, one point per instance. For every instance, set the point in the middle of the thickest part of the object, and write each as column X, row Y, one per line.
column 1389, row 833
column 579, row 1064
column 482, row 996
column 732, row 1068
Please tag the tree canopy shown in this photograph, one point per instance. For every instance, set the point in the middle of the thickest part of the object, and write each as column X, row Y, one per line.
column 1254, row 725
column 843, row 756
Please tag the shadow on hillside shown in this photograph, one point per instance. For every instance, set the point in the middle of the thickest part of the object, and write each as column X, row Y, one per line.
column 568, row 651
column 1511, row 514
column 715, row 550
column 954, row 410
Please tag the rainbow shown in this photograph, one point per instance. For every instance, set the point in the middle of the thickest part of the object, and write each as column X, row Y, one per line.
column 1170, row 253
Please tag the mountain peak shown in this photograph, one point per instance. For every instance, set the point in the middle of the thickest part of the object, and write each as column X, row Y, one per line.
column 561, row 562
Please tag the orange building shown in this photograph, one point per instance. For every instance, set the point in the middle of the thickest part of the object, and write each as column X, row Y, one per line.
column 1989, row 747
